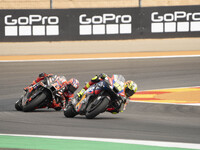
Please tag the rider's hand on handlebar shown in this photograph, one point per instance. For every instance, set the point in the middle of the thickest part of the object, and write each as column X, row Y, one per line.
column 26, row 88
column 102, row 75
column 80, row 94
column 42, row 74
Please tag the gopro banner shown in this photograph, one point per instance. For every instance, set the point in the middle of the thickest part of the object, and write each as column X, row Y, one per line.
column 170, row 22
column 99, row 24
column 32, row 25
column 105, row 24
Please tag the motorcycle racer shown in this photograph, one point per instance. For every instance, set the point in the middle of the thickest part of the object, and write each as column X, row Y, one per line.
column 66, row 92
column 130, row 89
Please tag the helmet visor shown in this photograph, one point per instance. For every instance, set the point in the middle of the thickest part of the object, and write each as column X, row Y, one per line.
column 129, row 92
column 71, row 88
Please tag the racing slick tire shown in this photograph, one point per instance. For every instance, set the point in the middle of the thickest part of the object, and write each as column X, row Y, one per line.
column 99, row 108
column 69, row 111
column 18, row 105
column 34, row 103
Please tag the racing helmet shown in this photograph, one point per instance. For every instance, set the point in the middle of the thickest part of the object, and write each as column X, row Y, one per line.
column 72, row 85
column 130, row 88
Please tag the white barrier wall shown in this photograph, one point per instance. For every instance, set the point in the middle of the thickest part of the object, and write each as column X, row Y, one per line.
column 77, row 47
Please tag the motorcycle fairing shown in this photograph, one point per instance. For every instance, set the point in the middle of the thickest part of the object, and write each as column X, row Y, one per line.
column 81, row 104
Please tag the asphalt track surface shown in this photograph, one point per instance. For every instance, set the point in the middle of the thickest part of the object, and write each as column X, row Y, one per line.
column 142, row 121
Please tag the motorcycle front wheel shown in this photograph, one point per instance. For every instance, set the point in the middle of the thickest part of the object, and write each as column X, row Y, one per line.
column 30, row 106
column 18, row 105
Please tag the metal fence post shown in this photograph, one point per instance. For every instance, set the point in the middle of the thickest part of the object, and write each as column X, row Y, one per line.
column 51, row 4
column 140, row 3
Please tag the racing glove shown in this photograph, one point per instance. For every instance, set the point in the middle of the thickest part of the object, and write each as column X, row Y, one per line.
column 98, row 77
column 80, row 94
column 43, row 74
column 26, row 88
column 102, row 75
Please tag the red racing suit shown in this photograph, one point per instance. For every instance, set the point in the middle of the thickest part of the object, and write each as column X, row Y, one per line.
column 116, row 106
column 65, row 95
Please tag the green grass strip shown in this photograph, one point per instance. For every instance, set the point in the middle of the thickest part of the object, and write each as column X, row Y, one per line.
column 62, row 144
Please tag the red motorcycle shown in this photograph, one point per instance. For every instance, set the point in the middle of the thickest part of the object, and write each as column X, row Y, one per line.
column 98, row 98
column 42, row 94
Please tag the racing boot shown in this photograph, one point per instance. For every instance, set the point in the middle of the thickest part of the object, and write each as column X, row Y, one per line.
column 56, row 106
column 112, row 110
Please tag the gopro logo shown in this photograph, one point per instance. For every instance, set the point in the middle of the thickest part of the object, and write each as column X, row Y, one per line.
column 106, row 24
column 179, row 21
column 32, row 25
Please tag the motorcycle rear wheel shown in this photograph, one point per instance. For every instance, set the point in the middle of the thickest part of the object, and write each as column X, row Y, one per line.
column 34, row 103
column 101, row 107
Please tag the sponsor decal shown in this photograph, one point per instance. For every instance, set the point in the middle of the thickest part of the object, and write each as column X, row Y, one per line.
column 178, row 21
column 32, row 25
column 105, row 24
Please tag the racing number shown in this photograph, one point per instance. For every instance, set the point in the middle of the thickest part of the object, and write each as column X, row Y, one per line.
column 119, row 88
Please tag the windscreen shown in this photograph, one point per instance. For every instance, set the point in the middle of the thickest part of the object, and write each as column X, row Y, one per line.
column 118, row 82
column 56, row 81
